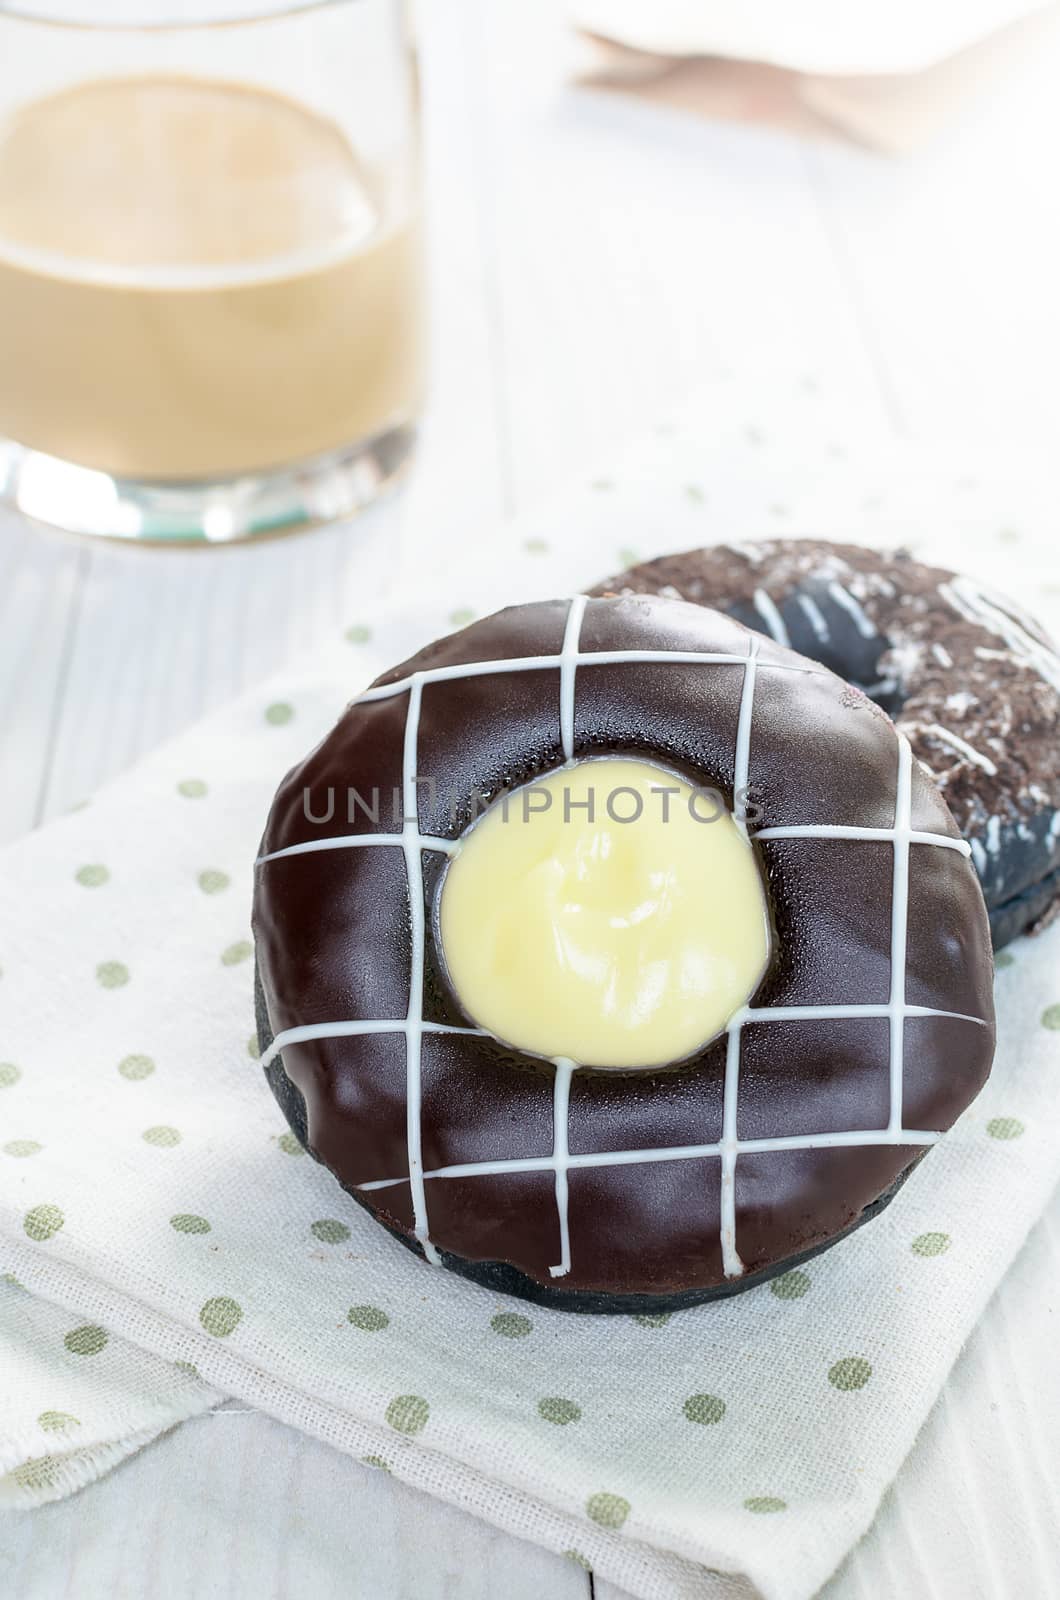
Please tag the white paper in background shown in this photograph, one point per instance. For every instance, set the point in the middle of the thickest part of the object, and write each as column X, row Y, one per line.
column 448, row 1390
column 827, row 36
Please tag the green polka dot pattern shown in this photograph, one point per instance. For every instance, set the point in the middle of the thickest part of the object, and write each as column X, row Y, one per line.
column 92, row 876
column 704, row 1408
column 609, row 1510
column 112, row 974
column 221, row 1316
column 88, row 1340
column 930, row 1244
column 555, row 1409
column 36, row 1475
column 853, row 1372
column 790, row 1285
column 162, row 1137
column 188, row 1222
column 368, row 1318
column 328, row 1231
column 515, row 1373
column 510, row 1325
column 408, row 1413
column 136, row 1068
column 577, row 1557
column 240, row 951
column 42, row 1223
column 57, row 1421
column 212, row 881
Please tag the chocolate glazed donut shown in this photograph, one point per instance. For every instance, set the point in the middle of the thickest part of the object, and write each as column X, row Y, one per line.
column 596, row 1189
column 971, row 680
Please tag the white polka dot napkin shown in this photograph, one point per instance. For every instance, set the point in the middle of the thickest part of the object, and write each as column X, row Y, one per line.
column 165, row 1243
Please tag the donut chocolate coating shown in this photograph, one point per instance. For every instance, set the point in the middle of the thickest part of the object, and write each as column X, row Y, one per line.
column 972, row 681
column 675, row 1192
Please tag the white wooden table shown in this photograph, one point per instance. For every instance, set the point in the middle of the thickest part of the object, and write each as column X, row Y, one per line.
column 593, row 262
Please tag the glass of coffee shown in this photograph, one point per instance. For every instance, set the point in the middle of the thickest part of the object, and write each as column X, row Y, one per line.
column 211, row 295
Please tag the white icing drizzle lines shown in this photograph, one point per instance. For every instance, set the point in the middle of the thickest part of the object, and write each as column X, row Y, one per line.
column 955, row 742
column 585, row 658
column 903, row 807
column 356, row 841
column 307, row 1032
column 568, row 667
column 828, row 830
column 814, row 616
column 742, row 757
column 823, row 1013
column 767, row 610
column 564, row 1067
column 428, row 841
column 565, row 1070
column 978, row 606
column 413, row 842
column 417, row 955
column 731, row 1263
column 861, row 620
column 680, row 1152
column 729, row 1149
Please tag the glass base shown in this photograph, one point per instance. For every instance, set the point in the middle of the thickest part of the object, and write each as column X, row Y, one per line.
column 217, row 511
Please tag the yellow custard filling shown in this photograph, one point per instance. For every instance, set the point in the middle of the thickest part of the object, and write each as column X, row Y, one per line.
column 609, row 913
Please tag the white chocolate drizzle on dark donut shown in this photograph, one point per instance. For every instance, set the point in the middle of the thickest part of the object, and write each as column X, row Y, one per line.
column 413, row 841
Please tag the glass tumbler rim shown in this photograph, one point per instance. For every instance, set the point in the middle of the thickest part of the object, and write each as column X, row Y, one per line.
column 128, row 16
